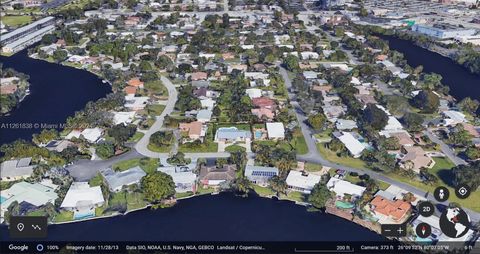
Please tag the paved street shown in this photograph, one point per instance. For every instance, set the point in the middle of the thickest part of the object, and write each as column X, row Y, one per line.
column 142, row 144
column 445, row 148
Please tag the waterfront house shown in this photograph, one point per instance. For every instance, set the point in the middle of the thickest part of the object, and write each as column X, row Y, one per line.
column 341, row 188
column 123, row 117
column 389, row 211
column 260, row 175
column 27, row 195
column 302, row 181
column 13, row 170
column 117, row 180
column 194, row 130
column 59, row 145
column 214, row 176
column 275, row 131
column 452, row 118
column 232, row 134
column 83, row 199
column 182, row 176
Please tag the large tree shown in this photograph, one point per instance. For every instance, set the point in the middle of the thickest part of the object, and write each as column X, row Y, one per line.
column 427, row 101
column 468, row 174
column 375, row 117
column 121, row 133
column 319, row 196
column 157, row 186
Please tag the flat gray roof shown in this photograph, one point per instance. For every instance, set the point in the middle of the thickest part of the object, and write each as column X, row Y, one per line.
column 25, row 28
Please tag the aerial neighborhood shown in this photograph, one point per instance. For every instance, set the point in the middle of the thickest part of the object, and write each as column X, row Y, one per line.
column 311, row 106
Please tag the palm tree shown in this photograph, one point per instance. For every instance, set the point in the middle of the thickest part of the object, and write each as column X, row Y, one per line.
column 242, row 185
column 278, row 185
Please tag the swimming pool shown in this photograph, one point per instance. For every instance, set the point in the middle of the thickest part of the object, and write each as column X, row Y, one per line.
column 2, row 199
column 258, row 134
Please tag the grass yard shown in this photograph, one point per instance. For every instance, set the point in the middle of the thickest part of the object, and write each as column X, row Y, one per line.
column 263, row 191
column 332, row 156
column 149, row 165
column 136, row 137
column 202, row 191
column 96, row 181
column 155, row 109
column 441, row 169
column 64, row 216
column 295, row 196
column 299, row 143
column 156, row 87
column 14, row 21
column 183, row 194
column 311, row 167
column 235, row 148
column 163, row 149
column 205, row 147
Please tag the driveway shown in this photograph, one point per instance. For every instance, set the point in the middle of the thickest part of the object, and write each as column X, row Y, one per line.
column 445, row 148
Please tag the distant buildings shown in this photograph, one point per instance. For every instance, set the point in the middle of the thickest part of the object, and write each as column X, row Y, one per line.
column 27, row 35
column 445, row 32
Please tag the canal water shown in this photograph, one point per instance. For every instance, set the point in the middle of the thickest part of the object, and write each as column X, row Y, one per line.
column 462, row 83
column 56, row 92
column 222, row 217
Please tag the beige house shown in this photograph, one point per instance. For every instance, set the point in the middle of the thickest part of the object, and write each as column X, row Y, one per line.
column 415, row 158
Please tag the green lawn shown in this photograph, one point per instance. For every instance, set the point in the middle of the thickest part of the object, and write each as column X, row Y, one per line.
column 183, row 194
column 205, row 147
column 136, row 137
column 201, row 190
column 96, row 181
column 313, row 167
column 472, row 202
column 163, row 149
column 64, row 216
column 295, row 196
column 299, row 143
column 149, row 165
column 235, row 148
column 15, row 21
column 332, row 156
column 155, row 109
column 156, row 87
column 263, row 191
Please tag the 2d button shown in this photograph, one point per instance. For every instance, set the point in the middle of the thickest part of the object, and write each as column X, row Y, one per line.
column 441, row 194
column 426, row 208
column 462, row 191
column 423, row 230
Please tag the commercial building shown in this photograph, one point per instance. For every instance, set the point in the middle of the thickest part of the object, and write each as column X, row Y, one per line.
column 445, row 32
column 27, row 35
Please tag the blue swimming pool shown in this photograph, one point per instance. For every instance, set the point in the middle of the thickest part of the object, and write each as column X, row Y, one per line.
column 258, row 134
column 2, row 199
column 81, row 216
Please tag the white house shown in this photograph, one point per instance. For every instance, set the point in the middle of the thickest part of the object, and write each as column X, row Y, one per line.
column 254, row 93
column 452, row 118
column 275, row 131
column 82, row 199
column 302, row 181
column 13, row 170
column 182, row 176
column 123, row 117
column 341, row 187
column 116, row 180
column 352, row 144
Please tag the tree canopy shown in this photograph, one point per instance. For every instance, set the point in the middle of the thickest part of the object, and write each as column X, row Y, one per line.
column 157, row 186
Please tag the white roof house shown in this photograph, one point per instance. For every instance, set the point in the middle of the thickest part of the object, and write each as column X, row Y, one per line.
column 182, row 176
column 302, row 181
column 116, row 180
column 123, row 117
column 12, row 170
column 341, row 187
column 33, row 193
column 393, row 124
column 92, row 134
column 204, row 115
column 353, row 145
column 275, row 130
column 344, row 124
column 254, row 93
column 81, row 194
column 208, row 103
column 136, row 103
column 453, row 117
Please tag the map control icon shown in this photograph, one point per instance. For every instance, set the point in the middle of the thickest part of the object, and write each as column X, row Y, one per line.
column 454, row 222
column 441, row 194
column 462, row 191
column 423, row 230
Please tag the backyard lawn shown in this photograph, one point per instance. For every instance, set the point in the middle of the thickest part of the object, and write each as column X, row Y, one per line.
column 136, row 137
column 15, row 21
column 64, row 216
column 263, row 191
column 155, row 109
column 162, row 149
